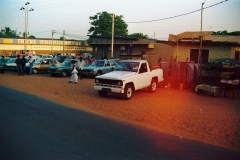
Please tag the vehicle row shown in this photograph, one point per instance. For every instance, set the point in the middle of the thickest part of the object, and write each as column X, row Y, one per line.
column 98, row 67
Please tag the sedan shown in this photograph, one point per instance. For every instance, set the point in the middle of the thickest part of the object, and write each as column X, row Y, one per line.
column 42, row 65
column 99, row 67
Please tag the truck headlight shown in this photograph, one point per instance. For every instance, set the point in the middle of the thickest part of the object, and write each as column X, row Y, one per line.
column 119, row 83
column 96, row 80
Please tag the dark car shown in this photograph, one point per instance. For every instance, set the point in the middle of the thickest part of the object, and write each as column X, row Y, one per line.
column 2, row 68
column 64, row 69
column 61, row 58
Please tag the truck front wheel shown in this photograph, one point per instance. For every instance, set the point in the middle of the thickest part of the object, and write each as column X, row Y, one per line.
column 153, row 86
column 128, row 91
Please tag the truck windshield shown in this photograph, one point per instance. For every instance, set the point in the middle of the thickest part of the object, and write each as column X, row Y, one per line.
column 127, row 66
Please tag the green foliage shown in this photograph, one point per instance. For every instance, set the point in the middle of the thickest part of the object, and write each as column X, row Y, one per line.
column 101, row 25
column 31, row 37
column 235, row 33
column 138, row 35
column 8, row 33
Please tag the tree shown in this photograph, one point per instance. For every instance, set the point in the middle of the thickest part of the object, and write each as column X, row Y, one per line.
column 102, row 25
column 8, row 33
column 138, row 35
column 31, row 36
column 235, row 33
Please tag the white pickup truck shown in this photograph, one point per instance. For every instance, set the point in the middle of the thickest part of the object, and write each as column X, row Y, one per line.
column 128, row 76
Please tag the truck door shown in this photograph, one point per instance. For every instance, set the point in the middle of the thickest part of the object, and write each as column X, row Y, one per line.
column 144, row 78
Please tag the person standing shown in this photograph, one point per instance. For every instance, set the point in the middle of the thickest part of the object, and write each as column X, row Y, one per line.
column 31, row 61
column 54, row 60
column 19, row 65
column 80, row 66
column 24, row 61
column 92, row 60
column 74, row 72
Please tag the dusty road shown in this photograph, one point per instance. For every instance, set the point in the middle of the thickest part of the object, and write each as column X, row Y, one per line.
column 35, row 128
column 183, row 114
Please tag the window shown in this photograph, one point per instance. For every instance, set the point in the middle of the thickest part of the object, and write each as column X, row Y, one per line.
column 194, row 54
column 143, row 68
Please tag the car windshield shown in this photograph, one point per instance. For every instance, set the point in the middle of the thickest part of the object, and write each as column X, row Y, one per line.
column 127, row 66
column 66, row 63
column 98, row 63
column 37, row 61
column 11, row 60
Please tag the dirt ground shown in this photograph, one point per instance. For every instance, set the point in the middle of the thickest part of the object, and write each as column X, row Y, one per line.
column 212, row 120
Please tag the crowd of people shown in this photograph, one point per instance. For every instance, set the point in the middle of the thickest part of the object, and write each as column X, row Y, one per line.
column 21, row 64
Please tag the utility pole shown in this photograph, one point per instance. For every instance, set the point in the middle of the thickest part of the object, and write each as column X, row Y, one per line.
column 63, row 42
column 26, row 24
column 200, row 50
column 112, row 35
column 52, row 42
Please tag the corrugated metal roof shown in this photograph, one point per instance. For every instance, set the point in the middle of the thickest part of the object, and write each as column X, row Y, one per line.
column 207, row 36
column 193, row 35
column 223, row 38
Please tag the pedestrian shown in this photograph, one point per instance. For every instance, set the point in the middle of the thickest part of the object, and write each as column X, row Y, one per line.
column 80, row 66
column 19, row 65
column 24, row 61
column 31, row 61
column 54, row 61
column 74, row 73
column 92, row 60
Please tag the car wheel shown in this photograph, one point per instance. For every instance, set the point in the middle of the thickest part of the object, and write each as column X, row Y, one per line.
column 153, row 86
column 103, row 93
column 99, row 73
column 64, row 73
column 35, row 71
column 128, row 91
column 2, row 71
column 54, row 75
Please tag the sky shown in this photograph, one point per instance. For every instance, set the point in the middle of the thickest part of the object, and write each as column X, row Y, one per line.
column 155, row 18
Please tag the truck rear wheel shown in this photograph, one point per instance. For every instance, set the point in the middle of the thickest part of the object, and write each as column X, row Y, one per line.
column 153, row 86
column 103, row 93
column 128, row 91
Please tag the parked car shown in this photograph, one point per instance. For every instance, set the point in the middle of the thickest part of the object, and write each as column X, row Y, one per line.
column 44, row 56
column 99, row 67
column 3, row 63
column 13, row 66
column 61, row 58
column 85, row 56
column 64, row 69
column 10, row 64
column 41, row 65
column 2, row 69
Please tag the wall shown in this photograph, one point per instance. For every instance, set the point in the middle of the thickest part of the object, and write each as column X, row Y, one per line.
column 182, row 51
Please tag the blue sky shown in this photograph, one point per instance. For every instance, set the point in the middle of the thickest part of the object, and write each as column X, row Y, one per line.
column 73, row 16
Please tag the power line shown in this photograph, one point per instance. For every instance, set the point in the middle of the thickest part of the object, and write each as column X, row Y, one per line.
column 178, row 15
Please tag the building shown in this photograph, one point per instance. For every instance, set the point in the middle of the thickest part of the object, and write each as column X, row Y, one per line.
column 186, row 46
column 43, row 46
column 125, row 48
